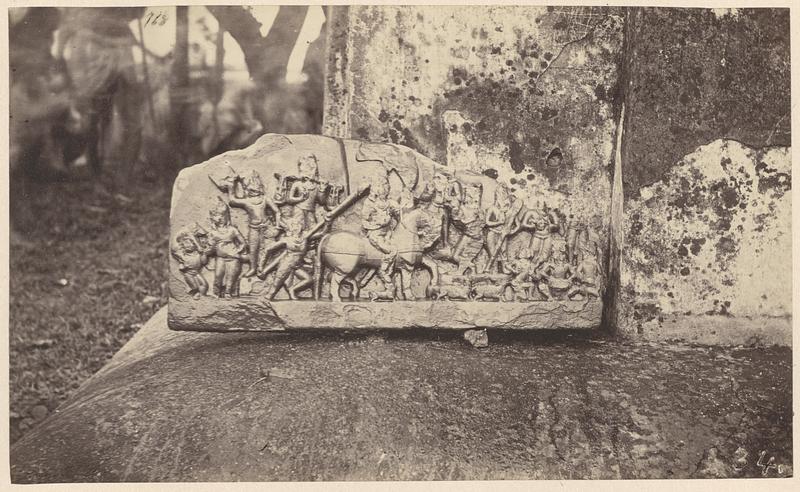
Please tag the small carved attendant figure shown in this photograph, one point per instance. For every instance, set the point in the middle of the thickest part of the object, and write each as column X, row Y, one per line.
column 308, row 191
column 575, row 229
column 468, row 220
column 520, row 270
column 438, row 199
column 526, row 221
column 589, row 243
column 290, row 262
column 192, row 257
column 541, row 247
column 588, row 275
column 377, row 223
column 556, row 273
column 496, row 224
column 262, row 229
column 228, row 246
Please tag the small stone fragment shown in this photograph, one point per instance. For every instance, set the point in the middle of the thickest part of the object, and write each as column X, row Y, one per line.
column 150, row 300
column 39, row 412
column 279, row 373
column 43, row 343
column 477, row 338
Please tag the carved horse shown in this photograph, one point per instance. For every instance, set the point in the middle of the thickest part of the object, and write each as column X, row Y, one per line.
column 351, row 257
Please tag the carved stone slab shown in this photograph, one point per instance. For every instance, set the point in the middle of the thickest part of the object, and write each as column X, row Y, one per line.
column 305, row 231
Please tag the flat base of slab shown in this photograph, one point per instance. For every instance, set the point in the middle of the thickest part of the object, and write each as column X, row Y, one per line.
column 248, row 314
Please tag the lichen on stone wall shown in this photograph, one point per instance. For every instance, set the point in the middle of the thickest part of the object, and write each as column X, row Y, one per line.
column 713, row 237
column 495, row 90
column 703, row 74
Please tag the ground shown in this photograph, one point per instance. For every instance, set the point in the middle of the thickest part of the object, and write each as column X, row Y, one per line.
column 180, row 406
column 94, row 271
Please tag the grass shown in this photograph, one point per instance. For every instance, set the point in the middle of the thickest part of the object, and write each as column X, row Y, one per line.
column 94, row 270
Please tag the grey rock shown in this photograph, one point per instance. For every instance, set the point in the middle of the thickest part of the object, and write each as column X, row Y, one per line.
column 477, row 338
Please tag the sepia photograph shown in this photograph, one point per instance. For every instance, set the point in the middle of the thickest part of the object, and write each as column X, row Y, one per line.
column 399, row 243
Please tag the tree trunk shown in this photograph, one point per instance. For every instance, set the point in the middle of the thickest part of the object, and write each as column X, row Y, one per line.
column 314, row 89
column 266, row 56
column 179, row 88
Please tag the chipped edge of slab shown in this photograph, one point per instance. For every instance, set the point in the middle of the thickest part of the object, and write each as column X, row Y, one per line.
column 233, row 315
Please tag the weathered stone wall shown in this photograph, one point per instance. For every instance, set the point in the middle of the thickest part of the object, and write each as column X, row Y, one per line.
column 707, row 175
column 704, row 163
column 491, row 89
column 699, row 75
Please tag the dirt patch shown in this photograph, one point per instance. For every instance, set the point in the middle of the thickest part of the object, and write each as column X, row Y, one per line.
column 94, row 271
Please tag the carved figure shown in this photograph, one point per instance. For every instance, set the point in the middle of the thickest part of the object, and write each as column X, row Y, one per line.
column 541, row 246
column 228, row 246
column 192, row 256
column 530, row 253
column 555, row 276
column 525, row 224
column 347, row 255
column 377, row 223
column 520, row 270
column 307, row 191
column 250, row 196
column 437, row 199
column 589, row 243
column 291, row 260
column 468, row 220
column 381, row 296
column 449, row 292
column 583, row 240
column 492, row 292
column 589, row 278
column 500, row 218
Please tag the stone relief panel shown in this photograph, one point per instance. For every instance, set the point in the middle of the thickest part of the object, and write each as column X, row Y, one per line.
column 308, row 231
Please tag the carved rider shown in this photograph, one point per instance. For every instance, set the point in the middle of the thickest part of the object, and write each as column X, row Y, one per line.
column 308, row 191
column 262, row 229
column 377, row 222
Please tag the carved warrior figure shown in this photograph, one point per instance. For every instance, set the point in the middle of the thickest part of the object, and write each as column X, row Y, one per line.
column 377, row 222
column 500, row 223
column 525, row 251
column 541, row 245
column 437, row 199
column 354, row 258
column 468, row 220
column 306, row 191
column 228, row 246
column 251, row 196
column 292, row 259
column 191, row 251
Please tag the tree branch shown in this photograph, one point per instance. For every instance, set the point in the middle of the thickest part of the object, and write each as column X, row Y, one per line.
column 266, row 56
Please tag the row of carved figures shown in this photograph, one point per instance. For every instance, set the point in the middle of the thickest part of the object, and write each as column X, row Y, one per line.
column 507, row 251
